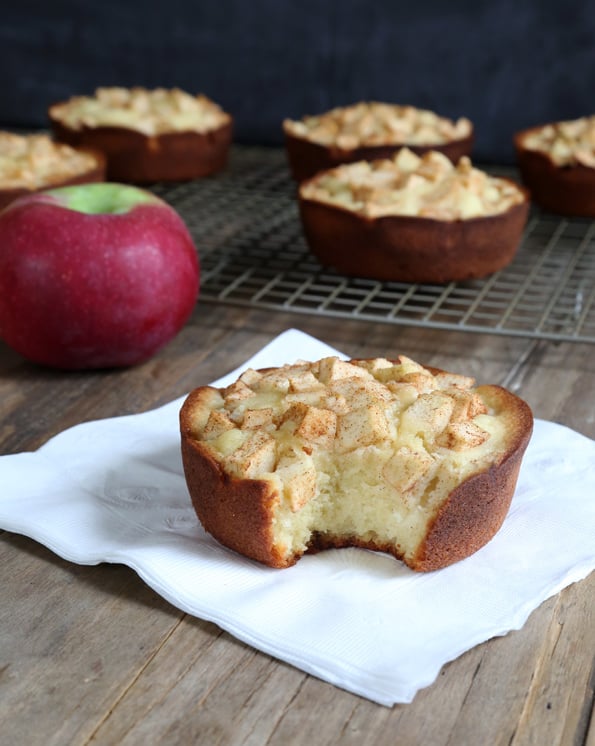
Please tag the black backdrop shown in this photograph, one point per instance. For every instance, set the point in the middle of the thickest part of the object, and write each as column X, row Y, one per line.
column 505, row 64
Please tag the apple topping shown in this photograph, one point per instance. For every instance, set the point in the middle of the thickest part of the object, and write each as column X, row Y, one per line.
column 354, row 450
column 373, row 123
column 151, row 112
column 428, row 186
column 566, row 143
column 36, row 161
column 274, row 431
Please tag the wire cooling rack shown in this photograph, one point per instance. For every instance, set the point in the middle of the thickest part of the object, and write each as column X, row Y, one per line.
column 245, row 223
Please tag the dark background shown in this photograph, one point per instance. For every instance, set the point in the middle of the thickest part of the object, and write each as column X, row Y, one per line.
column 506, row 65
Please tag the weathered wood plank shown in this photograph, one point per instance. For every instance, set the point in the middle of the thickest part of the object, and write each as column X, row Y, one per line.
column 560, row 700
column 558, row 381
column 72, row 638
column 227, row 693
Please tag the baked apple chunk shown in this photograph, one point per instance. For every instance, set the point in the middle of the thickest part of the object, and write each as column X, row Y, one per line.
column 382, row 454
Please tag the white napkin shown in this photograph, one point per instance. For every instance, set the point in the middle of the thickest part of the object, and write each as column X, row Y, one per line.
column 113, row 491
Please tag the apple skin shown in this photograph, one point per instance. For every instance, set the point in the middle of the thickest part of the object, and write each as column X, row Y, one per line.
column 103, row 288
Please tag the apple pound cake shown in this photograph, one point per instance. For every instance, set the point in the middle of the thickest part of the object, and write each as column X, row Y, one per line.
column 557, row 163
column 413, row 218
column 382, row 454
column 147, row 135
column 32, row 162
column 367, row 131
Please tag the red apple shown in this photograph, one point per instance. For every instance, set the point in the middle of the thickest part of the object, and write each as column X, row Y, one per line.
column 94, row 275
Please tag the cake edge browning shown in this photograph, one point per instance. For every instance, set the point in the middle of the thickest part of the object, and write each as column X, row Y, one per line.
column 475, row 510
column 307, row 158
column 238, row 512
column 133, row 156
column 566, row 189
column 410, row 248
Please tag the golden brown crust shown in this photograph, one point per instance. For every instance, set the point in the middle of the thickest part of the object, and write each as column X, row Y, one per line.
column 565, row 189
column 307, row 158
column 475, row 510
column 133, row 156
column 410, row 248
column 94, row 174
column 239, row 512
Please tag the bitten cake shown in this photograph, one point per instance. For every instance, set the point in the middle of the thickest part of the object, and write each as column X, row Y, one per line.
column 147, row 135
column 413, row 219
column 369, row 131
column 29, row 163
column 381, row 454
column 557, row 163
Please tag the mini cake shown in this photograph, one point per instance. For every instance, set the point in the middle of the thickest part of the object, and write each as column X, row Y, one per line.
column 369, row 131
column 29, row 163
column 557, row 163
column 381, row 454
column 147, row 135
column 413, row 219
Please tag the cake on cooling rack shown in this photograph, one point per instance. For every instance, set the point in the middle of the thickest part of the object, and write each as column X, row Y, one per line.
column 383, row 454
column 147, row 135
column 413, row 218
column 557, row 163
column 368, row 131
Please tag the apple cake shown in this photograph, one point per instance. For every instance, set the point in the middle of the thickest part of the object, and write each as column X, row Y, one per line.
column 413, row 218
column 148, row 135
column 370, row 130
column 382, row 454
column 557, row 163
column 32, row 162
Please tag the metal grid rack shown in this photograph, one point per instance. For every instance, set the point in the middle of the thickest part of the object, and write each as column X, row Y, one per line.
column 246, row 225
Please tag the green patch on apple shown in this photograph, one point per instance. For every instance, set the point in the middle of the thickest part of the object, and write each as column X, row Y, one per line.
column 103, row 198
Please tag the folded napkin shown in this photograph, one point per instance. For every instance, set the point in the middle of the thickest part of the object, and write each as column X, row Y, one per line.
column 113, row 491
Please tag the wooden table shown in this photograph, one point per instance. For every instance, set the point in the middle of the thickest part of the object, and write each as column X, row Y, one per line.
column 93, row 655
